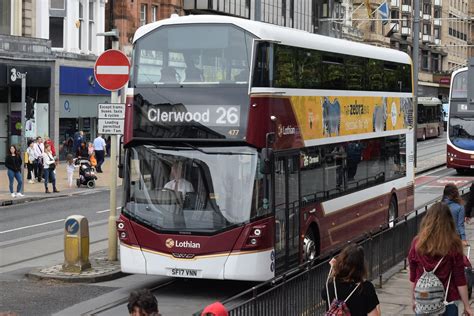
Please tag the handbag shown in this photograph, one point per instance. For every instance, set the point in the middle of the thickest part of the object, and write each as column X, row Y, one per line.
column 51, row 166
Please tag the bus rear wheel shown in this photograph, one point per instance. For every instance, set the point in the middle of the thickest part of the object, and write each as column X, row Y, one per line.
column 392, row 212
column 310, row 246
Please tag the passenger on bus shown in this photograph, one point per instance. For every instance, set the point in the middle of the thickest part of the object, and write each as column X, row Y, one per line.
column 142, row 303
column 177, row 183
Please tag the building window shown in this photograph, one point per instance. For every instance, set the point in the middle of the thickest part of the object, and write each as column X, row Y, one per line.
column 81, row 22
column 154, row 13
column 57, row 5
column 5, row 17
column 404, row 20
column 436, row 33
column 426, row 29
column 56, row 32
column 424, row 60
column 143, row 9
column 91, row 25
column 436, row 62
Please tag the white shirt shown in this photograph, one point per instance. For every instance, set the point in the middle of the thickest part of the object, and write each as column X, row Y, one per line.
column 47, row 160
column 99, row 143
column 39, row 150
column 180, row 185
column 31, row 154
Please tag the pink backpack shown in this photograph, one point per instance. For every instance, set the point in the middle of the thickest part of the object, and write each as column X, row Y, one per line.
column 338, row 307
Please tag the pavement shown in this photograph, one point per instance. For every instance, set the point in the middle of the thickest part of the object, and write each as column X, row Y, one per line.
column 35, row 191
column 395, row 291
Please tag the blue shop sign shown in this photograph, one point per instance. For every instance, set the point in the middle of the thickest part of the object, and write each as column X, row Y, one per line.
column 79, row 81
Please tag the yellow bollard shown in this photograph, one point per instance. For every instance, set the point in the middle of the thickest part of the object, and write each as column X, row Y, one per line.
column 76, row 244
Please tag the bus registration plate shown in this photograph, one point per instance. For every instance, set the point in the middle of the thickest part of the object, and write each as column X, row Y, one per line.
column 187, row 273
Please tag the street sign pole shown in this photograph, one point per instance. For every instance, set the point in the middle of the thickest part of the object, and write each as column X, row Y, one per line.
column 23, row 129
column 111, row 71
column 112, row 254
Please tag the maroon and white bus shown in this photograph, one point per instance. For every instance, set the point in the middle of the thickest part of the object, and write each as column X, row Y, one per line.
column 250, row 148
column 460, row 153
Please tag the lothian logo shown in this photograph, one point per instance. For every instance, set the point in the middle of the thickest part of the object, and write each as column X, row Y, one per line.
column 170, row 243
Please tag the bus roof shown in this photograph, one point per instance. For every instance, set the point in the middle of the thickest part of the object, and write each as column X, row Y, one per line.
column 284, row 35
column 429, row 101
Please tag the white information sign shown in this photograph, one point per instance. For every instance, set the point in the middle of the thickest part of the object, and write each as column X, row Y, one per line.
column 111, row 126
column 111, row 111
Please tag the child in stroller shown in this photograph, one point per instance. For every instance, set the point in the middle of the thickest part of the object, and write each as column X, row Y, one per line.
column 86, row 173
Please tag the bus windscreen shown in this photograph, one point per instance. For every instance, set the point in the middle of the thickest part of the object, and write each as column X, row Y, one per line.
column 193, row 54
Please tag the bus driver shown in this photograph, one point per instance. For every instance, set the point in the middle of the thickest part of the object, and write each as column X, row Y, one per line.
column 178, row 184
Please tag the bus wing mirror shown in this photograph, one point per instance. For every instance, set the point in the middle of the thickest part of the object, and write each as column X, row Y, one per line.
column 121, row 158
column 266, row 161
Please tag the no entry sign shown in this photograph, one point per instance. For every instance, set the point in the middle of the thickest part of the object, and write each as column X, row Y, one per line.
column 112, row 69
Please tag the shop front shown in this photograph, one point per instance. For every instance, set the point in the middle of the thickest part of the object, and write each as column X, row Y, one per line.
column 79, row 95
column 39, row 111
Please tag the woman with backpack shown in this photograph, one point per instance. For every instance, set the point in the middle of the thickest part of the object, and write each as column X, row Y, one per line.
column 437, row 266
column 347, row 290
column 455, row 203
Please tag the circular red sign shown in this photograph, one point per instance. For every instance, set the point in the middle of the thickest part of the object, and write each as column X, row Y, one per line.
column 111, row 69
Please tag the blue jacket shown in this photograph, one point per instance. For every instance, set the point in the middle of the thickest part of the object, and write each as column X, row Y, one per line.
column 457, row 211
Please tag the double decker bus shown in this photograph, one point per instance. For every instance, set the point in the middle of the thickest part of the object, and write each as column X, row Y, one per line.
column 250, row 147
column 460, row 151
column 429, row 118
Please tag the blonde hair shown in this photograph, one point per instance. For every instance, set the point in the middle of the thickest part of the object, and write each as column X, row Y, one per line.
column 438, row 236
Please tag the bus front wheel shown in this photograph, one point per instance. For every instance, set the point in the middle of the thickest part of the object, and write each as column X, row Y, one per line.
column 310, row 246
column 392, row 212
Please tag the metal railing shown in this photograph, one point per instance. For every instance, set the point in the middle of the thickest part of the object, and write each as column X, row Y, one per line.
column 299, row 291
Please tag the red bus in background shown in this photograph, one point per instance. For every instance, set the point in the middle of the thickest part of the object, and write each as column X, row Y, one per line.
column 250, row 148
column 460, row 153
column 430, row 118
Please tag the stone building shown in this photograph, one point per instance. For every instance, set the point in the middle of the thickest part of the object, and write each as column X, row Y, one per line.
column 55, row 43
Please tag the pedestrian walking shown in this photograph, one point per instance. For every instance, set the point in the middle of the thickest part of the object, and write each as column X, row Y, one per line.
column 93, row 160
column 436, row 257
column 82, row 151
column 30, row 161
column 70, row 167
column 39, row 151
column 13, row 164
column 142, row 303
column 99, row 149
column 453, row 200
column 49, row 142
column 347, row 288
column 78, row 139
column 469, row 204
column 49, row 165
column 90, row 148
column 215, row 309
column 108, row 142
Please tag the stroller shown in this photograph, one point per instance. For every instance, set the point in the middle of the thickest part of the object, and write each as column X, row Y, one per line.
column 86, row 174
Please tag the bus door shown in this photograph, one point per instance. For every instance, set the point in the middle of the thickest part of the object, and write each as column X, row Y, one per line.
column 286, row 201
